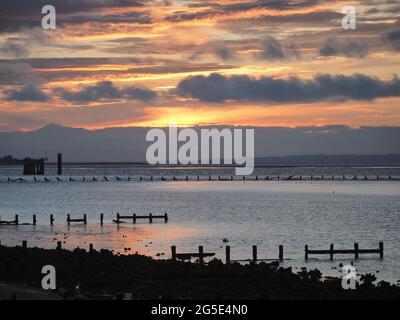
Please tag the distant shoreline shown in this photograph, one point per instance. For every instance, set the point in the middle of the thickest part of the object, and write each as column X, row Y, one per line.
column 144, row 165
column 289, row 161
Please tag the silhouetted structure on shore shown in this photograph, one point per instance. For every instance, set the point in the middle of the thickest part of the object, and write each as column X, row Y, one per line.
column 33, row 166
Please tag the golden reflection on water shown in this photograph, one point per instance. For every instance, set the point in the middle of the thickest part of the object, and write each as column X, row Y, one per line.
column 152, row 240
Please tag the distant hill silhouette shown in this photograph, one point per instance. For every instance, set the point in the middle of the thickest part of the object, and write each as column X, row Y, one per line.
column 327, row 145
column 331, row 160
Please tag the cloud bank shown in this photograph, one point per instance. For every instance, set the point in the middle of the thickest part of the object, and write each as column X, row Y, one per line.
column 105, row 90
column 218, row 88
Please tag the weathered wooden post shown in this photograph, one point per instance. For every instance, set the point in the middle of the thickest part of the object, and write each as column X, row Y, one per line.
column 280, row 253
column 117, row 218
column 68, row 219
column 331, row 251
column 51, row 219
column 58, row 249
column 85, row 219
column 201, row 255
column 24, row 246
column 59, row 164
column 150, row 218
column 254, row 254
column 134, row 218
column 173, row 252
column 228, row 254
column 198, row 178
column 101, row 218
column 306, row 252
column 16, row 219
column 34, row 220
column 91, row 249
column 381, row 250
column 165, row 217
column 355, row 250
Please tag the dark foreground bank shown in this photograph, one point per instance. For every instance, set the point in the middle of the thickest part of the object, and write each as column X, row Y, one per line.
column 102, row 275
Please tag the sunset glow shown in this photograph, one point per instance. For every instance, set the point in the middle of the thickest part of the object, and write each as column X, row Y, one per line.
column 123, row 63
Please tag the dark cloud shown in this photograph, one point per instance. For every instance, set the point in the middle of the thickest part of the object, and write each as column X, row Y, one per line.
column 272, row 50
column 14, row 49
column 26, row 7
column 135, row 93
column 224, row 53
column 344, row 47
column 321, row 17
column 218, row 88
column 15, row 14
column 44, row 63
column 212, row 8
column 392, row 38
column 275, row 50
column 27, row 93
column 17, row 73
column 141, row 17
column 106, row 91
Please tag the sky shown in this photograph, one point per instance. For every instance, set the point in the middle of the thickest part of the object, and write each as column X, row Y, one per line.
column 119, row 63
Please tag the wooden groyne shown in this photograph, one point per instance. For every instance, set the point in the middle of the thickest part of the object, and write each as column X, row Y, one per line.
column 83, row 220
column 254, row 258
column 208, row 178
column 201, row 254
column 331, row 252
column 120, row 219
column 135, row 217
column 189, row 255
column 17, row 222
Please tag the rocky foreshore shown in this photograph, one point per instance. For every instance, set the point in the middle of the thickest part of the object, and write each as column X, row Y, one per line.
column 104, row 275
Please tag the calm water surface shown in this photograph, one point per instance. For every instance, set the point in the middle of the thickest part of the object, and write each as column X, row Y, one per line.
column 263, row 213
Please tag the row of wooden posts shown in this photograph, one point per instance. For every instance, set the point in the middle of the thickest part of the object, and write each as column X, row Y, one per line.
column 219, row 178
column 120, row 219
column 201, row 254
column 356, row 251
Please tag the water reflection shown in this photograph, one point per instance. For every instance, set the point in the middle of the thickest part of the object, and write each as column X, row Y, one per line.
column 122, row 239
